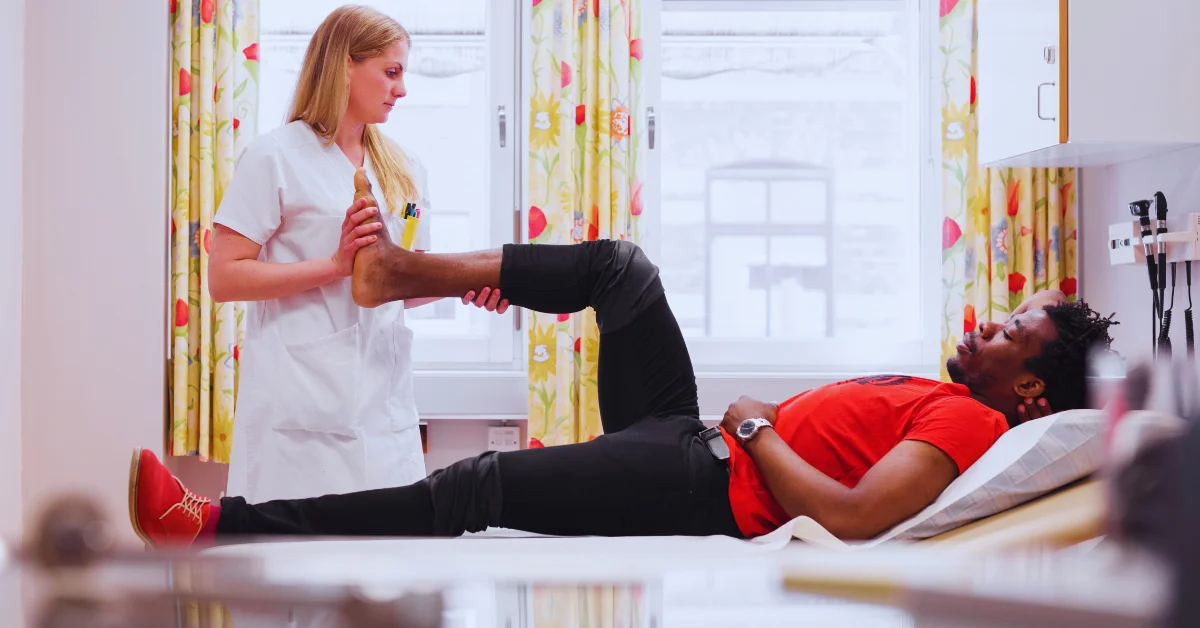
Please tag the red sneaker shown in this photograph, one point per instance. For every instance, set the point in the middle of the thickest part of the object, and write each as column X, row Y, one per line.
column 164, row 513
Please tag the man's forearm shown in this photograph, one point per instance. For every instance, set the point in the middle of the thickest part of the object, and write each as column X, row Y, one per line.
column 801, row 489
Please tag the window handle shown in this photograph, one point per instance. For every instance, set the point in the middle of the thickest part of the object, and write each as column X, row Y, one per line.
column 650, row 125
column 502, row 116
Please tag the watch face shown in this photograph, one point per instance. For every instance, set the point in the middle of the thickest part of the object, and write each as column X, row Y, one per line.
column 746, row 428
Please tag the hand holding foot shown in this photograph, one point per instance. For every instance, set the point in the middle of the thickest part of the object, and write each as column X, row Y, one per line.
column 367, row 276
column 359, row 229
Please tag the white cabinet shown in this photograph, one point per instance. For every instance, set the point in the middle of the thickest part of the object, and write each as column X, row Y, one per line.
column 1086, row 82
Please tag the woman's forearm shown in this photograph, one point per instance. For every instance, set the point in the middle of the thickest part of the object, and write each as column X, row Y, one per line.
column 254, row 280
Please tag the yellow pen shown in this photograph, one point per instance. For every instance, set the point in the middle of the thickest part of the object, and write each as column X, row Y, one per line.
column 412, row 216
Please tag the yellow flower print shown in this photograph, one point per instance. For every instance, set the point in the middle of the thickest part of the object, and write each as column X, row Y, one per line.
column 542, row 353
column 544, row 122
column 591, row 346
column 977, row 212
column 955, row 128
column 566, row 198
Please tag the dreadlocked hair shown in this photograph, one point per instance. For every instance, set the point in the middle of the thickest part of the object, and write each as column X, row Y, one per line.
column 1063, row 363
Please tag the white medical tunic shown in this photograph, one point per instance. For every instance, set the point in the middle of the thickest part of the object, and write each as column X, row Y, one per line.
column 325, row 392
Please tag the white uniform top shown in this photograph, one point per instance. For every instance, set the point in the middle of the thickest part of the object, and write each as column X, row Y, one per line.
column 325, row 392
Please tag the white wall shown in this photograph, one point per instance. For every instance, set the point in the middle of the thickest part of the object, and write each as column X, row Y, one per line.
column 12, row 72
column 1125, row 289
column 94, row 221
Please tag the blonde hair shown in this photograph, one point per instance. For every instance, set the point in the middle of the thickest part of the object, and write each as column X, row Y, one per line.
column 323, row 90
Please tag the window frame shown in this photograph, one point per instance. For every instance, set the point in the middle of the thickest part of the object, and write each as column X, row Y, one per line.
column 499, row 388
column 493, row 369
column 721, row 383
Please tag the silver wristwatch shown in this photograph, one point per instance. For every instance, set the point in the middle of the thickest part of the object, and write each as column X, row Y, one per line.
column 749, row 428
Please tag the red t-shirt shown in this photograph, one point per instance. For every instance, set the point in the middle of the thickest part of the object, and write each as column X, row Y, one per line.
column 843, row 429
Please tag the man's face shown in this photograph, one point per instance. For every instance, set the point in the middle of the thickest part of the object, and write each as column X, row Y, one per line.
column 991, row 361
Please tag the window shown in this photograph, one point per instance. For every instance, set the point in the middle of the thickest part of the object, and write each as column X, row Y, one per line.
column 462, row 78
column 793, row 165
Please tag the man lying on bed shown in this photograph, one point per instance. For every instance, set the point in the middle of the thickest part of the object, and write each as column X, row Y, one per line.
column 857, row 456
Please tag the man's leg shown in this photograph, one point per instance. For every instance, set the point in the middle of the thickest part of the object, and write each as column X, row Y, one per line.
column 654, row 478
column 644, row 367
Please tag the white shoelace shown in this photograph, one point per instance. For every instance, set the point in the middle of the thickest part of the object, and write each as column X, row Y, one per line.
column 190, row 504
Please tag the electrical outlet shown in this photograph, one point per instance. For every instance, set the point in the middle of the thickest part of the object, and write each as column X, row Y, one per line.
column 504, row 438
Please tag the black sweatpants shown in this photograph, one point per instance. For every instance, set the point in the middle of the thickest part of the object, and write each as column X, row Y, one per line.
column 648, row 474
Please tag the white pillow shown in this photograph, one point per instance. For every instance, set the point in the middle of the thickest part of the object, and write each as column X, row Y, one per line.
column 1028, row 461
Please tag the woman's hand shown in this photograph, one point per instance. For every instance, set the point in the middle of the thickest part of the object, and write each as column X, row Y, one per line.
column 487, row 299
column 355, row 235
column 1030, row 409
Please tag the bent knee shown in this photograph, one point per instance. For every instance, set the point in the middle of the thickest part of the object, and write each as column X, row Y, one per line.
column 629, row 261
column 625, row 284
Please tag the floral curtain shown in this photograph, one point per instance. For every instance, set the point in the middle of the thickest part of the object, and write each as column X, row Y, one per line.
column 1007, row 233
column 214, row 101
column 593, row 606
column 584, row 184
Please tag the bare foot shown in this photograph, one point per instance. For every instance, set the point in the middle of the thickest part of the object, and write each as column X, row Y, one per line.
column 371, row 278
column 378, row 267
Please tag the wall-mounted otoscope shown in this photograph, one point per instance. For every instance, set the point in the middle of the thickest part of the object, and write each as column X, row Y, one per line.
column 1140, row 241
column 1141, row 209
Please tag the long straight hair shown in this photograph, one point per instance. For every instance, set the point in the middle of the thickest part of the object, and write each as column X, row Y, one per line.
column 323, row 90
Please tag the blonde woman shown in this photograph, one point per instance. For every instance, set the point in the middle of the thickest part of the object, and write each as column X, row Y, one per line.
column 325, row 398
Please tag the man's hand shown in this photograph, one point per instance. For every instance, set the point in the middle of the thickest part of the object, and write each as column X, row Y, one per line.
column 1030, row 409
column 747, row 408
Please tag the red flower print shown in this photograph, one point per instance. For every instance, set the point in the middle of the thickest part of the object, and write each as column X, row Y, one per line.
column 215, row 93
column 969, row 322
column 207, row 237
column 1014, row 196
column 594, row 224
column 174, row 6
column 1068, row 286
column 596, row 8
column 537, row 222
column 222, row 437
column 951, row 232
column 536, row 2
column 536, row 444
column 580, row 114
column 251, row 52
column 1026, row 231
column 635, row 49
column 1016, row 282
column 185, row 82
column 236, row 123
column 181, row 312
column 635, row 199
column 206, row 11
column 972, row 90
column 562, row 318
column 577, row 341
column 566, row 74
column 236, row 354
column 946, row 7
